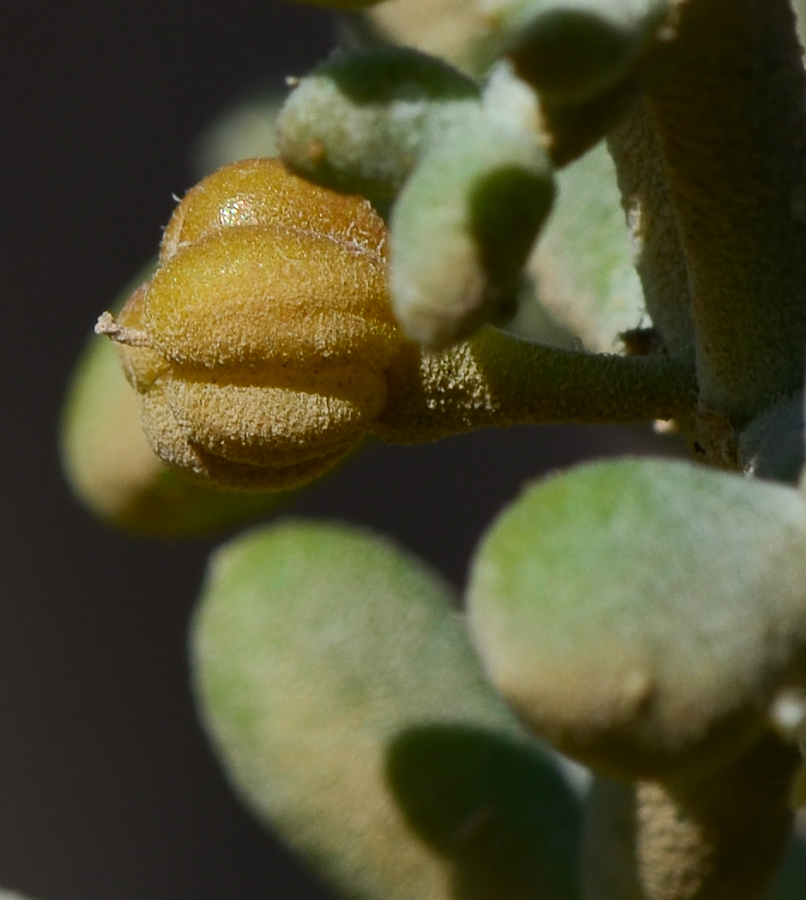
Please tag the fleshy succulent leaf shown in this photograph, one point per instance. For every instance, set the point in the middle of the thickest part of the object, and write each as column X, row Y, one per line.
column 579, row 587
column 462, row 229
column 337, row 683
column 582, row 266
column 360, row 120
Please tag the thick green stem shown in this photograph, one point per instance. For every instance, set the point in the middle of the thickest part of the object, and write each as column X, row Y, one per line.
column 658, row 253
column 498, row 380
column 720, row 838
column 727, row 103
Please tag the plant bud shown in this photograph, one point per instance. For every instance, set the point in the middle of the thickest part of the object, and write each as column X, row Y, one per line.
column 616, row 619
column 259, row 347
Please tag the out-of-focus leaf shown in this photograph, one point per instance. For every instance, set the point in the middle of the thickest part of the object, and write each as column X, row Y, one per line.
column 456, row 30
column 644, row 616
column 338, row 686
column 582, row 265
column 245, row 129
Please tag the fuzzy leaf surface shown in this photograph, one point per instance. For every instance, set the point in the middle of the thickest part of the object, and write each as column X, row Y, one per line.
column 338, row 686
column 643, row 615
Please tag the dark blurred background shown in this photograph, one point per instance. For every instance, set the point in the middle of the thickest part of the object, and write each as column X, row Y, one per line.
column 107, row 788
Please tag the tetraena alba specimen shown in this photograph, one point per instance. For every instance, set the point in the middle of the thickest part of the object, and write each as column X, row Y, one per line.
column 265, row 348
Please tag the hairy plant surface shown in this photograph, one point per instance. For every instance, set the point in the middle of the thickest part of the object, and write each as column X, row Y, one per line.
column 487, row 213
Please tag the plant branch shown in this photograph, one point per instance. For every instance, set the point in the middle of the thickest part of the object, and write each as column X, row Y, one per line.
column 498, row 380
column 727, row 103
column 658, row 253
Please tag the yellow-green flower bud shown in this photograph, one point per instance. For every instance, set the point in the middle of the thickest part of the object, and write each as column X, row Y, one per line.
column 259, row 347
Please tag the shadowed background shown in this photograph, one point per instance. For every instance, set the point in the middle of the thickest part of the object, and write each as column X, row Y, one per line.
column 107, row 788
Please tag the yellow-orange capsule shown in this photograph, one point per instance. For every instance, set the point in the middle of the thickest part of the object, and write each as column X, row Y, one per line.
column 260, row 346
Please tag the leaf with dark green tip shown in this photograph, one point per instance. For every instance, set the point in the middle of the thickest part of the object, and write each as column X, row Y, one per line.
column 340, row 691
column 360, row 121
column 645, row 615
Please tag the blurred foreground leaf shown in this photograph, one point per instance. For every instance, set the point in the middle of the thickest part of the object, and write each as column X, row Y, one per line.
column 338, row 686
column 645, row 616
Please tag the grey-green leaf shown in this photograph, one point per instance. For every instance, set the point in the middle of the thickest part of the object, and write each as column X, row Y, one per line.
column 360, row 120
column 582, row 266
column 463, row 226
column 645, row 615
column 340, row 691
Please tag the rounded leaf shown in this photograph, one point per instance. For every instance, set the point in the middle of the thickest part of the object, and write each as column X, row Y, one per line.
column 360, row 120
column 259, row 347
column 644, row 615
column 462, row 229
column 338, row 685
